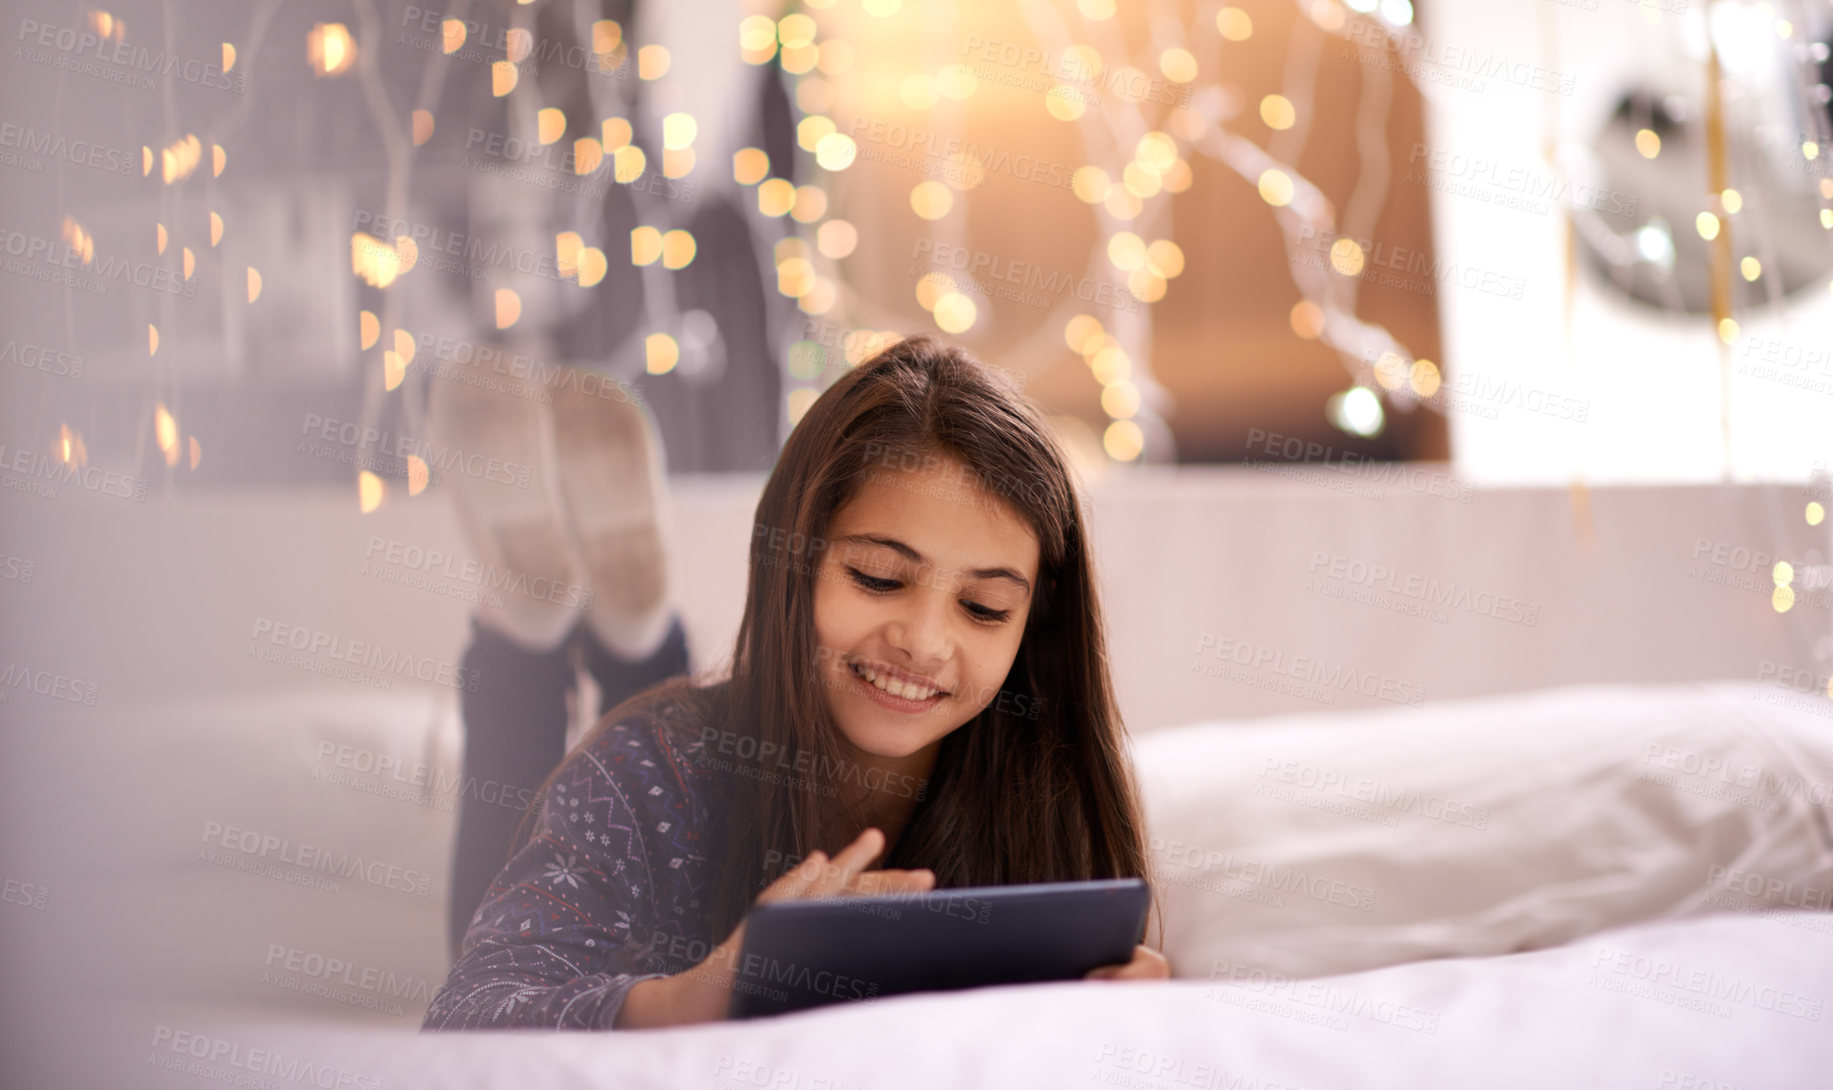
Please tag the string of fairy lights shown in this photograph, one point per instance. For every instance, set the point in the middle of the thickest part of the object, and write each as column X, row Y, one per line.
column 1137, row 165
column 1140, row 152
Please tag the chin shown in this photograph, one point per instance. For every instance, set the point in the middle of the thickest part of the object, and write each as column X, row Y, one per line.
column 882, row 740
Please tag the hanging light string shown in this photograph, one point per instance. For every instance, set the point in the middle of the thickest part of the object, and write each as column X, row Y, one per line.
column 1371, row 354
column 1109, row 132
column 397, row 156
column 1298, row 86
column 399, row 148
column 1112, row 133
column 630, row 354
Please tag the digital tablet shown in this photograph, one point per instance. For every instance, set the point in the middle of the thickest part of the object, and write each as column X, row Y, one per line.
column 801, row 954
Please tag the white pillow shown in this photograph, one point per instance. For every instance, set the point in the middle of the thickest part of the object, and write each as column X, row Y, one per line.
column 282, row 850
column 1317, row 844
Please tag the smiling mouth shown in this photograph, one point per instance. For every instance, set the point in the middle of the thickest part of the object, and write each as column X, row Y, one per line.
column 893, row 685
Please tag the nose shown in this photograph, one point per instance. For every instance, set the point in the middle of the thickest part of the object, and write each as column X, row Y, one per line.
column 920, row 628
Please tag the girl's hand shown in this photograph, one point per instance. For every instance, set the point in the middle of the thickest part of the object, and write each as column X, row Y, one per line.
column 1147, row 964
column 844, row 875
column 702, row 994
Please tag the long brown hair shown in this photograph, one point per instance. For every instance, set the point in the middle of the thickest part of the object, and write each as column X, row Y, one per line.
column 1036, row 787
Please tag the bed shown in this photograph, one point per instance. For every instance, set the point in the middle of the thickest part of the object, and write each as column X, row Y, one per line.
column 1596, row 885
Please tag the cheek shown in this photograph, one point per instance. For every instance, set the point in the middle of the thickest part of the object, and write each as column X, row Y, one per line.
column 824, row 616
column 993, row 660
column 838, row 619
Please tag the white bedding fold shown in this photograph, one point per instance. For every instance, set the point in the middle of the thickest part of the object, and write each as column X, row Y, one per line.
column 1732, row 1000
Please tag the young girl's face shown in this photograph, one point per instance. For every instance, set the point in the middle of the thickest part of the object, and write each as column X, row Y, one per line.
column 920, row 605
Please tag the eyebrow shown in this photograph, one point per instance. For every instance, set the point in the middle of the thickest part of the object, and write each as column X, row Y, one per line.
column 912, row 555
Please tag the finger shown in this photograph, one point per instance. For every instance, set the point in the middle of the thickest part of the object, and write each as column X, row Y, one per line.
column 1154, row 965
column 796, row 882
column 866, row 847
column 881, row 882
column 1136, row 968
column 1147, row 964
column 850, row 861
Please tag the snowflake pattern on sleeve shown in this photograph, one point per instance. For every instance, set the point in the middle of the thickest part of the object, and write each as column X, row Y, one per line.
column 612, row 888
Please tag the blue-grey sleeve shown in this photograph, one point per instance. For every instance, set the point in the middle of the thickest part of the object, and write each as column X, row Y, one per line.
column 563, row 932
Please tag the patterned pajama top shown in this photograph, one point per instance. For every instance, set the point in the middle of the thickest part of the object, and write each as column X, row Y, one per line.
column 613, row 887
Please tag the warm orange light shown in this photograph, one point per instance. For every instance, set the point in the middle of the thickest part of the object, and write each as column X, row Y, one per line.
column 330, row 49
column 375, row 261
column 165, row 433
column 180, row 158
column 369, row 491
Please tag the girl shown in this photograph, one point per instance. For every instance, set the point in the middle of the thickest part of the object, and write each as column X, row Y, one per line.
column 919, row 676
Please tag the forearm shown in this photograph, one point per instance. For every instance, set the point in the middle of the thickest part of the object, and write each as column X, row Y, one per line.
column 698, row 995
column 585, row 1002
column 649, row 1004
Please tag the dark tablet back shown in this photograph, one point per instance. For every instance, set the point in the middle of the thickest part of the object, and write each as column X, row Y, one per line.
column 800, row 954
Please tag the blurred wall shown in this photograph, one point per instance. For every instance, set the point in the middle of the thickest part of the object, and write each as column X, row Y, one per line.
column 1229, row 592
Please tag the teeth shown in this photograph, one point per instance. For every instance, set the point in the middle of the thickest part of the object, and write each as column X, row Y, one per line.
column 895, row 686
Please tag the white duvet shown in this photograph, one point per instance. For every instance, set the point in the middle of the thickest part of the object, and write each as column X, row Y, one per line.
column 1714, row 1003
column 1597, row 886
